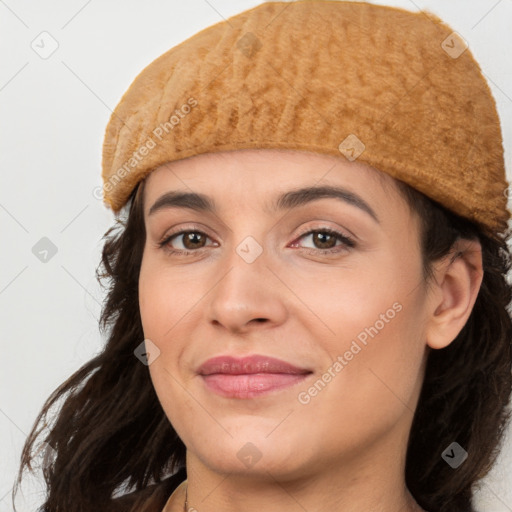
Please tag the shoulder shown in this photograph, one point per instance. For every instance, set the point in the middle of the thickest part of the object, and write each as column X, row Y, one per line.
column 150, row 499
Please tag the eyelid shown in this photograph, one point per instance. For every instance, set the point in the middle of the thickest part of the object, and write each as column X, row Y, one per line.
column 346, row 240
column 181, row 231
column 187, row 227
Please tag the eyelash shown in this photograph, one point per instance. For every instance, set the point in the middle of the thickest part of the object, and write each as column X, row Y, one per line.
column 347, row 242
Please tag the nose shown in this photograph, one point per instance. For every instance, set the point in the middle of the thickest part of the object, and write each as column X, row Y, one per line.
column 248, row 296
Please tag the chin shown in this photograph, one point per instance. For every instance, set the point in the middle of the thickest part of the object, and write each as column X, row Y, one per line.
column 253, row 454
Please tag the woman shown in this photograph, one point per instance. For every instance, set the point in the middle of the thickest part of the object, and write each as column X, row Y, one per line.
column 307, row 306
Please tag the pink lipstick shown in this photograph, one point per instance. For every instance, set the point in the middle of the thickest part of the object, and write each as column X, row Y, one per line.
column 250, row 376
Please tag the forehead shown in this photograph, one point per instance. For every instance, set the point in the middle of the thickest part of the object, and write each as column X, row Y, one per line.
column 256, row 174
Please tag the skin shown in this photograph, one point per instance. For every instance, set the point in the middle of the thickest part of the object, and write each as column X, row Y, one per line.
column 344, row 449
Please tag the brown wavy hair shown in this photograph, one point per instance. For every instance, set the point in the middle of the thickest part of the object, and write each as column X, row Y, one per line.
column 110, row 436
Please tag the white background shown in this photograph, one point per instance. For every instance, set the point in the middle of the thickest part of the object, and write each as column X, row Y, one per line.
column 53, row 115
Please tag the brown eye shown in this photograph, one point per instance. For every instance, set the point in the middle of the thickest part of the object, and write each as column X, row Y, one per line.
column 323, row 240
column 193, row 239
column 184, row 241
column 326, row 240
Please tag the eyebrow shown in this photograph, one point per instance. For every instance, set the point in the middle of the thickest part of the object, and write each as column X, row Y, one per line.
column 287, row 200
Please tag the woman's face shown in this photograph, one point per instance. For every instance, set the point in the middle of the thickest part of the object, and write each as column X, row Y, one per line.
column 266, row 274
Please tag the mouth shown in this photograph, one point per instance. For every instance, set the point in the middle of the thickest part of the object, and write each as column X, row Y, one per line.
column 249, row 377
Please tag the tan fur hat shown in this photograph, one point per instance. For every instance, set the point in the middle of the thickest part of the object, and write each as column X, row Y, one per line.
column 397, row 90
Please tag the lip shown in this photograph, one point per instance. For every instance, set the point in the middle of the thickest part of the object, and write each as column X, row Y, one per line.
column 250, row 376
column 248, row 365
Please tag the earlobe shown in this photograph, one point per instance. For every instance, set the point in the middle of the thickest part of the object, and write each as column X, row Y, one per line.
column 457, row 282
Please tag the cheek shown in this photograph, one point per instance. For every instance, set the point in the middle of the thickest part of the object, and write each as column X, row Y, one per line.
column 354, row 300
column 375, row 335
column 169, row 302
column 166, row 297
column 160, row 313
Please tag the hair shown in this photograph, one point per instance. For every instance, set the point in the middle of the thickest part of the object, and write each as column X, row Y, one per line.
column 111, row 437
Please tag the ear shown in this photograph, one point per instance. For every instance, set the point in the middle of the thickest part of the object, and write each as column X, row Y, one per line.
column 454, row 289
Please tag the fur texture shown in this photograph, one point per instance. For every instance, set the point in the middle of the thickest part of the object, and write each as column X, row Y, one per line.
column 306, row 75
